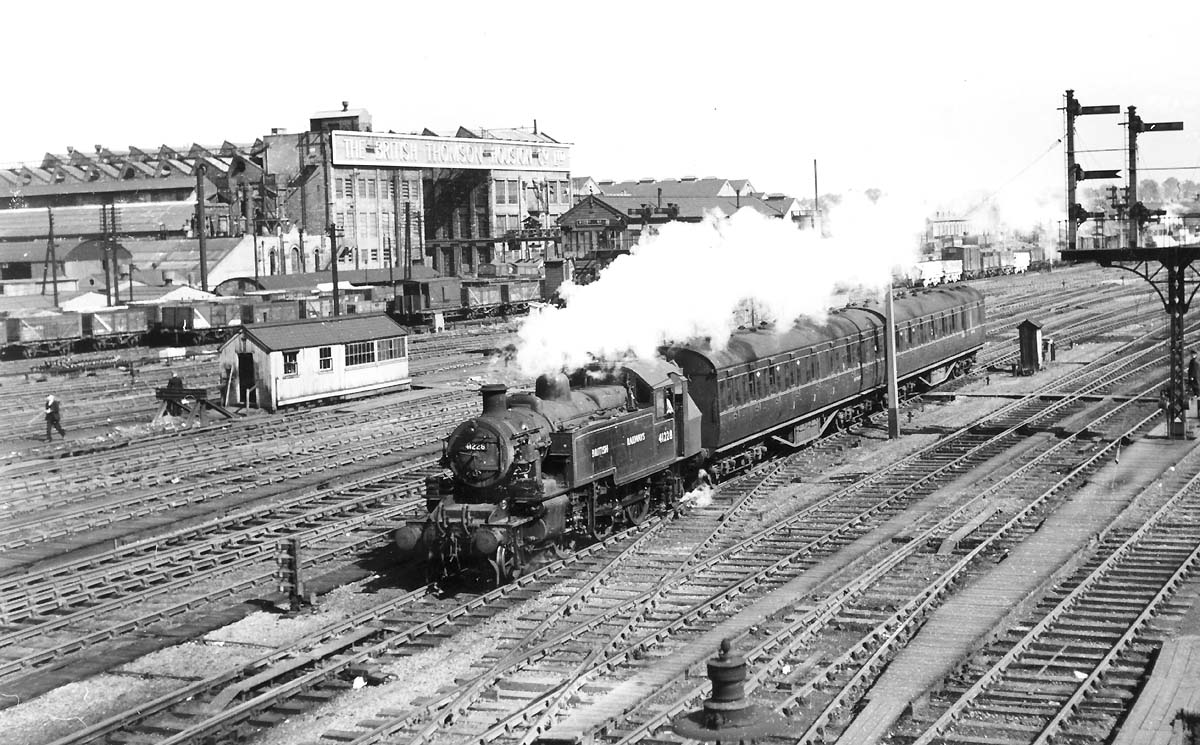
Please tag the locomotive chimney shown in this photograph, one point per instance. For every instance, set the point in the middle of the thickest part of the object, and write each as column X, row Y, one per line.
column 494, row 398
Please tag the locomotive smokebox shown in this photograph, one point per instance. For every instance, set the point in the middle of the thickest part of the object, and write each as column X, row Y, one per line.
column 552, row 387
column 494, row 399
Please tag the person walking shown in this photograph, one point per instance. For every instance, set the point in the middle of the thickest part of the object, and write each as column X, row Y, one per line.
column 53, row 418
column 1193, row 373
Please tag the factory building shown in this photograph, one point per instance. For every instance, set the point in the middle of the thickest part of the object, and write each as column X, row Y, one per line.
column 450, row 203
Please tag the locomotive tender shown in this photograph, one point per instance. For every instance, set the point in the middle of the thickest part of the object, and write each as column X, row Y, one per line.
column 581, row 456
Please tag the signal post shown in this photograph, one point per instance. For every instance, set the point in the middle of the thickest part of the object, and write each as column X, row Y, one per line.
column 1170, row 270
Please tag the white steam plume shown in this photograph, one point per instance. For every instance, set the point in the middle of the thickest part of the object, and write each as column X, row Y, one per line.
column 690, row 279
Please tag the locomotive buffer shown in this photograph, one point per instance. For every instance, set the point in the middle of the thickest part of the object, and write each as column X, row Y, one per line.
column 1170, row 270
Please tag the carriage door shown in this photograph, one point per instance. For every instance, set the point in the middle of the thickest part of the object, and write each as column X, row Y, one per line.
column 246, row 378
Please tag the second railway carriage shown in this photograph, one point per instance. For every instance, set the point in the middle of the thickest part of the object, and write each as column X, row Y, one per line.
column 789, row 388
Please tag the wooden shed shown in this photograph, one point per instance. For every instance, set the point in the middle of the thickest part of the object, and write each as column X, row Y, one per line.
column 1029, row 341
column 271, row 365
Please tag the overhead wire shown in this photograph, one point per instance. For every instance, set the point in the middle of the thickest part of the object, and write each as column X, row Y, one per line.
column 1018, row 175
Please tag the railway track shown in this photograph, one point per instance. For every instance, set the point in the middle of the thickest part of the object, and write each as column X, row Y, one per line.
column 594, row 619
column 213, row 480
column 821, row 654
column 1070, row 671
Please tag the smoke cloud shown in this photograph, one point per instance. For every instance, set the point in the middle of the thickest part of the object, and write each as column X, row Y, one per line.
column 695, row 280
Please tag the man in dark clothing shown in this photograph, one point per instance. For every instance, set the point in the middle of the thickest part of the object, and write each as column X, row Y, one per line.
column 175, row 383
column 1194, row 380
column 52, row 418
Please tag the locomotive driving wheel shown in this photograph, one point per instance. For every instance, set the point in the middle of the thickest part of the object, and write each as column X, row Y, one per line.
column 637, row 511
column 505, row 565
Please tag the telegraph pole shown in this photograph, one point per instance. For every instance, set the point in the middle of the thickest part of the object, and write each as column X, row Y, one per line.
column 107, row 229
column 326, row 165
column 51, row 260
column 201, row 226
column 816, row 195
column 333, row 249
column 408, row 240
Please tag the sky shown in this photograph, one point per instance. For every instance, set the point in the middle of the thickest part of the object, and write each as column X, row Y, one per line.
column 945, row 103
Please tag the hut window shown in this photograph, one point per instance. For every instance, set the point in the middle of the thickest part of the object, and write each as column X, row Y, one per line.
column 360, row 353
column 325, row 356
column 290, row 364
column 391, row 349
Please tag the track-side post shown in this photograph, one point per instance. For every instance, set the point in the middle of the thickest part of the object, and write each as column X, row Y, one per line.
column 889, row 346
column 291, row 576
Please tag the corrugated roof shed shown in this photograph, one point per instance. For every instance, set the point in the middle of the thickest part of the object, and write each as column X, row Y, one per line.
column 132, row 217
column 181, row 255
column 130, row 186
column 24, row 252
column 320, row 332
column 309, row 280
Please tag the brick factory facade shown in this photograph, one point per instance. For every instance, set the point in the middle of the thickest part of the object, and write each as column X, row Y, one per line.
column 449, row 203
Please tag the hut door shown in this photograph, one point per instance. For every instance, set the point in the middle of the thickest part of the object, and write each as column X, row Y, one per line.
column 246, row 378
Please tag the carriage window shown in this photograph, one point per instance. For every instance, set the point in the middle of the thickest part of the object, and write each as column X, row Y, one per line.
column 772, row 380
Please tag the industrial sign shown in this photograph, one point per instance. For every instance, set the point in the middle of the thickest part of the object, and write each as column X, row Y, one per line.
column 416, row 151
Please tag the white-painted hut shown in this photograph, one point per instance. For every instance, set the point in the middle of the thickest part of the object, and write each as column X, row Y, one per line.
column 269, row 365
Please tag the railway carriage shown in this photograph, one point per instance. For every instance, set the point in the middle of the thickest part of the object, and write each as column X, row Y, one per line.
column 790, row 388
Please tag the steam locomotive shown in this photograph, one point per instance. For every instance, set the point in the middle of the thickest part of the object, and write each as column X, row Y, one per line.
column 584, row 455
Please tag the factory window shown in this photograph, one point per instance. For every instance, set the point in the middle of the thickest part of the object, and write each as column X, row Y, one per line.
column 391, row 188
column 552, row 187
column 290, row 364
column 362, row 187
column 391, row 349
column 325, row 358
column 514, row 192
column 370, row 188
column 360, row 353
column 482, row 220
column 337, row 188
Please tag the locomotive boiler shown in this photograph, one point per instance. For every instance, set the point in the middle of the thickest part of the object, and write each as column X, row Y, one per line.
column 574, row 459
